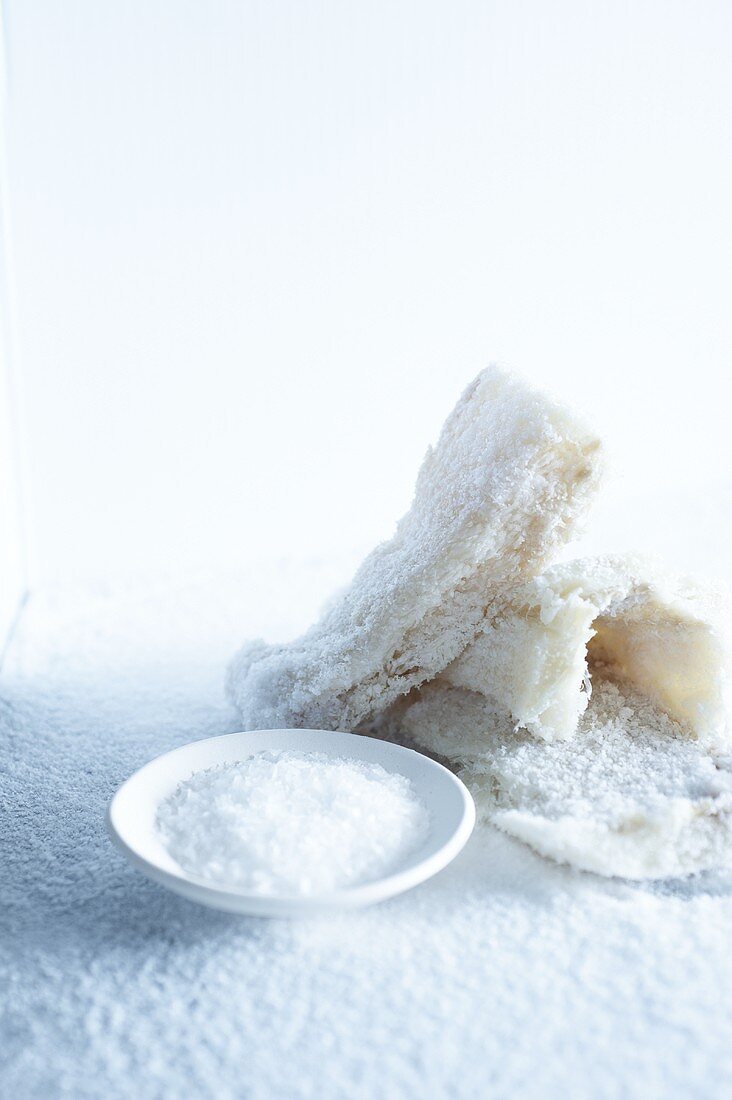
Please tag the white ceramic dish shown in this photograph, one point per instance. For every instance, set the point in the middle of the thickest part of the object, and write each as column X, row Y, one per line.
column 132, row 812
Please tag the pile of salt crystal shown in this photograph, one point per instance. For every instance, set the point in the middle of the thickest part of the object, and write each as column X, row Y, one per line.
column 293, row 823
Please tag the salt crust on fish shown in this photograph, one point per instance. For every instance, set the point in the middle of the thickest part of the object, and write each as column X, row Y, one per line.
column 503, row 489
column 633, row 795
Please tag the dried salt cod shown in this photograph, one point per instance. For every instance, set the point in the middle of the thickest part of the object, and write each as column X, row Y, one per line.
column 631, row 781
column 503, row 489
column 633, row 795
column 534, row 654
column 632, row 778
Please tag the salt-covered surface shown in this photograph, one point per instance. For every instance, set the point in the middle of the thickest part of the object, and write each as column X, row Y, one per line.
column 504, row 976
column 288, row 822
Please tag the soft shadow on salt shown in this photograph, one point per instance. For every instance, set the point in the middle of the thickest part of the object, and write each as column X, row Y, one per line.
column 713, row 884
column 494, row 865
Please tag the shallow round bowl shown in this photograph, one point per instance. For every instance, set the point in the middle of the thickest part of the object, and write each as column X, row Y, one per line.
column 132, row 816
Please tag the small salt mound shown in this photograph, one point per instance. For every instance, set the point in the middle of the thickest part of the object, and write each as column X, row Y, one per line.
column 293, row 823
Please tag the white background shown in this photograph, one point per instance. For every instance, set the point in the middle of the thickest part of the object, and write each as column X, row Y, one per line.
column 261, row 247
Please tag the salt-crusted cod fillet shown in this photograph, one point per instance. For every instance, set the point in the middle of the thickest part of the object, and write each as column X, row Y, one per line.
column 669, row 636
column 633, row 795
column 506, row 485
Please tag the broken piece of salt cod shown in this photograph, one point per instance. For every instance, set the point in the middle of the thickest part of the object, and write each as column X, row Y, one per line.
column 534, row 656
column 589, row 719
column 504, row 488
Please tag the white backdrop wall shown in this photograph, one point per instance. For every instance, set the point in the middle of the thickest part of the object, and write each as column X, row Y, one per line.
column 13, row 557
column 260, row 248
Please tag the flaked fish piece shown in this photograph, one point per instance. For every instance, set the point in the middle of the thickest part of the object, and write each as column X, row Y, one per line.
column 534, row 652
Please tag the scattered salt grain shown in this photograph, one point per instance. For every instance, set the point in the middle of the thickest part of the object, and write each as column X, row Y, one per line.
column 293, row 823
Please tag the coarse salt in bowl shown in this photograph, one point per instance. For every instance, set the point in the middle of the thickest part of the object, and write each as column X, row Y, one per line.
column 291, row 822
